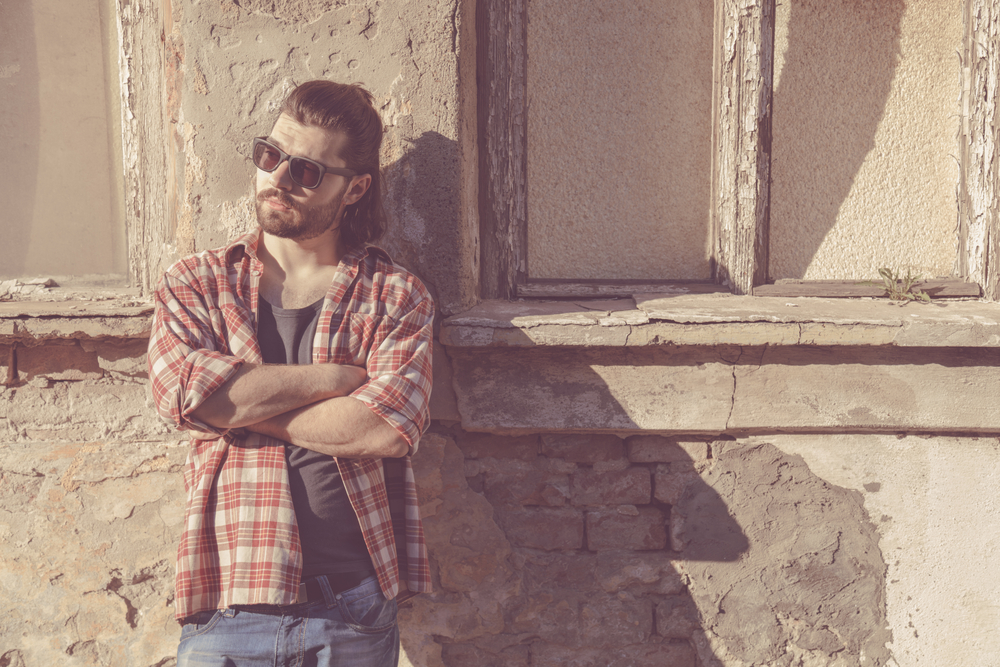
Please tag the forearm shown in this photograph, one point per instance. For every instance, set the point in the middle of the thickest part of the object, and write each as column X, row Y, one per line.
column 343, row 427
column 258, row 392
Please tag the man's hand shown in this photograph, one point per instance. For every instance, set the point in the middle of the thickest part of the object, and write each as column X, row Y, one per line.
column 258, row 392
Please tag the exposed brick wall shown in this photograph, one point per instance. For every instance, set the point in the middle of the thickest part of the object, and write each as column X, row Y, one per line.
column 588, row 540
column 595, row 550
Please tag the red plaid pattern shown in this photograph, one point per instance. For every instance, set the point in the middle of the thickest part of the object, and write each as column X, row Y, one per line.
column 240, row 543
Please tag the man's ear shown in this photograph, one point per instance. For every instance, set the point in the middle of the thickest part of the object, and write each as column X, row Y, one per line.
column 359, row 186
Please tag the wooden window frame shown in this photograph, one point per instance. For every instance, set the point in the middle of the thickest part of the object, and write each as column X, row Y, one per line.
column 740, row 212
column 145, row 66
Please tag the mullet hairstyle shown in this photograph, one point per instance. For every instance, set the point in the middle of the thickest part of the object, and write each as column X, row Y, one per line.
column 350, row 109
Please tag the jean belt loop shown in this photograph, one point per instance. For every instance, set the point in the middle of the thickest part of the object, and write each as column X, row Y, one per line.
column 328, row 595
column 229, row 612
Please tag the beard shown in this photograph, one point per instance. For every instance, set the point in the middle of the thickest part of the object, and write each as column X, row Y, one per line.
column 298, row 223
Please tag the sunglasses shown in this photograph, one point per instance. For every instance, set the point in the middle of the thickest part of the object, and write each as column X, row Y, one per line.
column 305, row 172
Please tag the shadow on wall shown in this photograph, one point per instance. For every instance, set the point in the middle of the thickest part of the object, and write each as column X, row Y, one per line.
column 423, row 205
column 591, row 550
column 20, row 129
column 831, row 95
column 539, row 556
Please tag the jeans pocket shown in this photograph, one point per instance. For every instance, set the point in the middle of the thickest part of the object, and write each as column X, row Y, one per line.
column 369, row 614
column 199, row 623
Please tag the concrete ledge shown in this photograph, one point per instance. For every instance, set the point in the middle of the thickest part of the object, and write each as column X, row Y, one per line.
column 27, row 321
column 724, row 319
column 719, row 389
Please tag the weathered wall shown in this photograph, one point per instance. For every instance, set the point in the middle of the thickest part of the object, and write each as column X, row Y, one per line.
column 866, row 111
column 235, row 62
column 547, row 548
column 687, row 532
column 619, row 139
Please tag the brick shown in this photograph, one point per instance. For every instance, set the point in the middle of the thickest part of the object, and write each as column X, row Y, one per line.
column 649, row 571
column 612, row 529
column 570, row 571
column 549, row 615
column 543, row 527
column 487, row 445
column 541, row 482
column 676, row 617
column 632, row 486
column 606, row 466
column 669, row 485
column 54, row 361
column 613, row 620
column 583, row 448
column 648, row 654
column 580, row 619
column 661, row 449
column 534, row 488
column 463, row 655
column 125, row 358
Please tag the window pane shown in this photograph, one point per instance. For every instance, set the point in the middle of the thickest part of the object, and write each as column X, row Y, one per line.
column 59, row 184
column 866, row 112
column 619, row 139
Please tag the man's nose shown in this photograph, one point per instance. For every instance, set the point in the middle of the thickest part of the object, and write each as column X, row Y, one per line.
column 280, row 178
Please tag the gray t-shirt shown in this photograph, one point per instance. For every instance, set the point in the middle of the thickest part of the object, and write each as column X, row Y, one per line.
column 329, row 531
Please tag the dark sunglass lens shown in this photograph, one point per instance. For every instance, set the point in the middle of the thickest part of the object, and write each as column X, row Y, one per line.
column 266, row 157
column 306, row 173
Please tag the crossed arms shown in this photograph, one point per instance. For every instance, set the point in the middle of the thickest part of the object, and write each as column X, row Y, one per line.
column 202, row 382
column 308, row 406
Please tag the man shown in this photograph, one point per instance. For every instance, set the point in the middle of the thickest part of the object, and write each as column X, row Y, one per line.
column 300, row 356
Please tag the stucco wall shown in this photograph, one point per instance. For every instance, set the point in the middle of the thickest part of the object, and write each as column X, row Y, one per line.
column 233, row 64
column 866, row 111
column 619, row 139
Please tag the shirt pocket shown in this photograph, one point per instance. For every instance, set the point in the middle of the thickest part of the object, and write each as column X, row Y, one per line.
column 353, row 336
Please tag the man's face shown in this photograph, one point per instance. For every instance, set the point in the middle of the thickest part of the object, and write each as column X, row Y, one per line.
column 286, row 209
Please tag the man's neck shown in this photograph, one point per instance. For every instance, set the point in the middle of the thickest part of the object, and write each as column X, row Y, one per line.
column 298, row 272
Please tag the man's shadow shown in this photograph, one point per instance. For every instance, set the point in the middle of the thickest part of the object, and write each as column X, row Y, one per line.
column 423, row 188
column 774, row 560
column 836, row 120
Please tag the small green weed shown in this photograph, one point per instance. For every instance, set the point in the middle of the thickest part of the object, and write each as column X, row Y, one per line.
column 900, row 288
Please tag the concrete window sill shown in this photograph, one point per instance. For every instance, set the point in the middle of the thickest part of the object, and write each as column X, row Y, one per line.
column 724, row 319
column 725, row 364
column 121, row 316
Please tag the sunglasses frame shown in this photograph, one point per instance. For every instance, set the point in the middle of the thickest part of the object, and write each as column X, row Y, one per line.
column 323, row 169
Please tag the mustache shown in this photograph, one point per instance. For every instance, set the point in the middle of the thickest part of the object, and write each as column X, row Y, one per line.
column 274, row 193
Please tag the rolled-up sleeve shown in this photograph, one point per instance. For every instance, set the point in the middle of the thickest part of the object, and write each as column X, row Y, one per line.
column 399, row 368
column 187, row 362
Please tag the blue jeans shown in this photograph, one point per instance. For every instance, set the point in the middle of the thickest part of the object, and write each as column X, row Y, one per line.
column 355, row 628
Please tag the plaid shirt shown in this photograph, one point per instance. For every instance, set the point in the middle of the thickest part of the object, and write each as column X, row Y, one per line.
column 240, row 543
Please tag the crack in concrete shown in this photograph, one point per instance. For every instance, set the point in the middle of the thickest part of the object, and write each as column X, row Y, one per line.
column 732, row 403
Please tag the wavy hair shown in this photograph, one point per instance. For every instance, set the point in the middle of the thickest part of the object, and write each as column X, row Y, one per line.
column 350, row 109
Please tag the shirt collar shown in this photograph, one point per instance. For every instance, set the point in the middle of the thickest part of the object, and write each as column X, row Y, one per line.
column 247, row 245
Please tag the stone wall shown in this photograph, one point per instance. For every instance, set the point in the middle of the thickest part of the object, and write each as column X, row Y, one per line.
column 547, row 548
column 91, row 504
